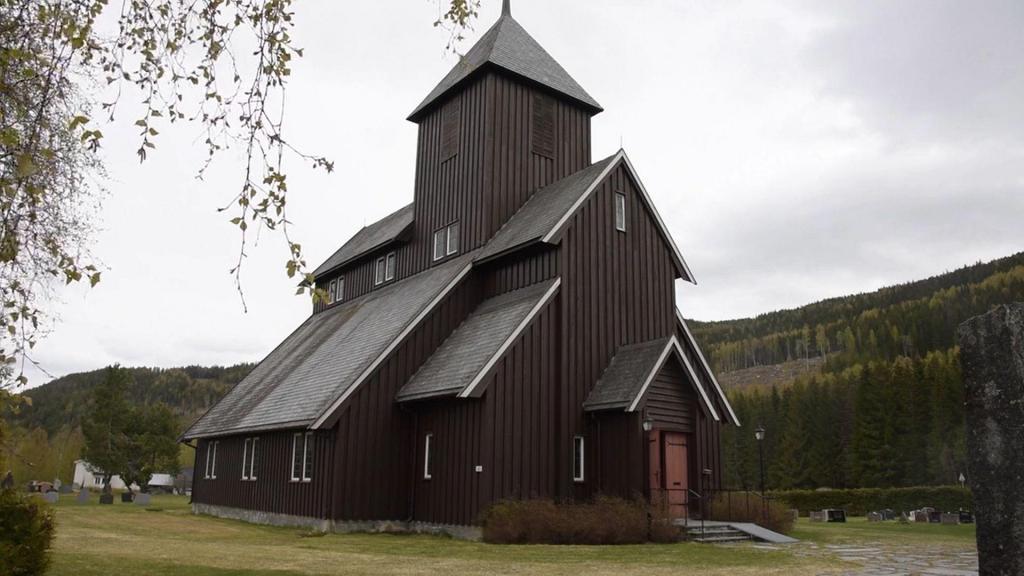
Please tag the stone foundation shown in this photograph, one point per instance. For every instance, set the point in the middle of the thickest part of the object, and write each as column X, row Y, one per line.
column 339, row 526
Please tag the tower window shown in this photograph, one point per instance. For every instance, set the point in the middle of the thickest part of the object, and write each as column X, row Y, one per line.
column 543, row 132
column 450, row 122
column 620, row 211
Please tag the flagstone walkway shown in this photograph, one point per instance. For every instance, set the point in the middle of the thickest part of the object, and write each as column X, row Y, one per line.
column 879, row 559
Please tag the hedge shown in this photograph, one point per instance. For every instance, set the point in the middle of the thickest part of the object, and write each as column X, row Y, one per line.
column 601, row 521
column 860, row 501
column 26, row 532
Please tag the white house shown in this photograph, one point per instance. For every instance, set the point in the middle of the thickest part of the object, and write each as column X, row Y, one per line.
column 87, row 476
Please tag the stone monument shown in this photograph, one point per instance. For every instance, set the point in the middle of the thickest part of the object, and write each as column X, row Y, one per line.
column 992, row 356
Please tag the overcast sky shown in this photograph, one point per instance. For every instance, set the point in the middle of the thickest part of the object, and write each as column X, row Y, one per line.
column 797, row 151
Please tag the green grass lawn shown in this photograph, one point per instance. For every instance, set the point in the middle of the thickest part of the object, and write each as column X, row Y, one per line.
column 859, row 530
column 168, row 539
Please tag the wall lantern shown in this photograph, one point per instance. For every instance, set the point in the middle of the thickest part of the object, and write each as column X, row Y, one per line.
column 759, row 433
column 648, row 424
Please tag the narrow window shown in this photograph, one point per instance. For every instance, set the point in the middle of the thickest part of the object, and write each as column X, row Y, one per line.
column 450, row 129
column 453, row 239
column 245, row 458
column 332, row 291
column 543, row 132
column 213, row 459
column 428, row 463
column 340, row 295
column 577, row 458
column 439, row 241
column 307, row 458
column 389, row 269
column 252, row 460
column 620, row 211
column 379, row 277
column 209, row 450
column 297, row 452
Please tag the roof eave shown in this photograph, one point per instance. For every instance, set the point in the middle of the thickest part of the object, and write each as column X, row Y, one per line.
column 592, row 108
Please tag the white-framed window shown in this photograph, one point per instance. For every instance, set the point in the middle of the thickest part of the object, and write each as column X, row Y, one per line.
column 440, row 238
column 302, row 457
column 332, row 291
column 389, row 268
column 446, row 241
column 577, row 458
column 339, row 293
column 428, row 462
column 385, row 269
column 211, row 460
column 453, row 239
column 249, row 459
column 620, row 211
column 97, row 480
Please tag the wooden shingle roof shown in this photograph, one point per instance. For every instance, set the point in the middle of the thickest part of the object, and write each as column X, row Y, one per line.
column 508, row 46
column 468, row 353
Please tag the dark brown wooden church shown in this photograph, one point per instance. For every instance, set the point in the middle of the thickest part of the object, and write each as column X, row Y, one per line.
column 511, row 333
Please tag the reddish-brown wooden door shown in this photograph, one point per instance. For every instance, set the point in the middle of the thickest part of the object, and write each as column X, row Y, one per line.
column 677, row 472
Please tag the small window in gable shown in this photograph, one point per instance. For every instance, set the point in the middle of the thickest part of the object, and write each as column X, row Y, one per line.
column 577, row 458
column 543, row 133
column 340, row 293
column 331, row 291
column 450, row 124
column 620, row 211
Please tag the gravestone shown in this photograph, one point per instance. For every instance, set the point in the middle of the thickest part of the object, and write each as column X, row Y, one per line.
column 142, row 499
column 950, row 519
column 875, row 517
column 835, row 515
column 83, row 496
column 966, row 517
column 817, row 515
column 992, row 358
column 106, row 497
column 935, row 517
column 794, row 514
column 51, row 497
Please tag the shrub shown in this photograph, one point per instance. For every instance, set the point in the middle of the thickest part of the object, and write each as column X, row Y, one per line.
column 749, row 507
column 860, row 501
column 603, row 521
column 26, row 532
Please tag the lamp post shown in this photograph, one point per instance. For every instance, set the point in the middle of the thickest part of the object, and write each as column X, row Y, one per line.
column 759, row 435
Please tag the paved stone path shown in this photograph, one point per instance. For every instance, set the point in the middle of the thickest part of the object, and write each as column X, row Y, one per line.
column 879, row 559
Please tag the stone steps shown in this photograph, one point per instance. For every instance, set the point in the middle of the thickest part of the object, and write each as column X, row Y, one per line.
column 716, row 534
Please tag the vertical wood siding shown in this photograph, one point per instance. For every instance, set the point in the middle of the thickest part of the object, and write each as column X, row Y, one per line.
column 508, row 431
column 617, row 289
column 495, row 170
column 526, row 268
column 373, row 448
column 273, row 489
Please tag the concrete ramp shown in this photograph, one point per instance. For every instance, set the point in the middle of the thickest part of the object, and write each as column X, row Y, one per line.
column 765, row 535
column 718, row 531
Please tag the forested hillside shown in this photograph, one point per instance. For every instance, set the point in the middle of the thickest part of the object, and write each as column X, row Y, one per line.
column 885, row 409
column 45, row 436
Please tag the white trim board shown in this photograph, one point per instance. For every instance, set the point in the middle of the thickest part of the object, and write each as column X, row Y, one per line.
column 468, row 390
column 707, row 367
column 673, row 344
column 365, row 374
column 621, row 156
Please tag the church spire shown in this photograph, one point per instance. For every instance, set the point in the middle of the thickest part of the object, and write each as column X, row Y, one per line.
column 506, row 7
